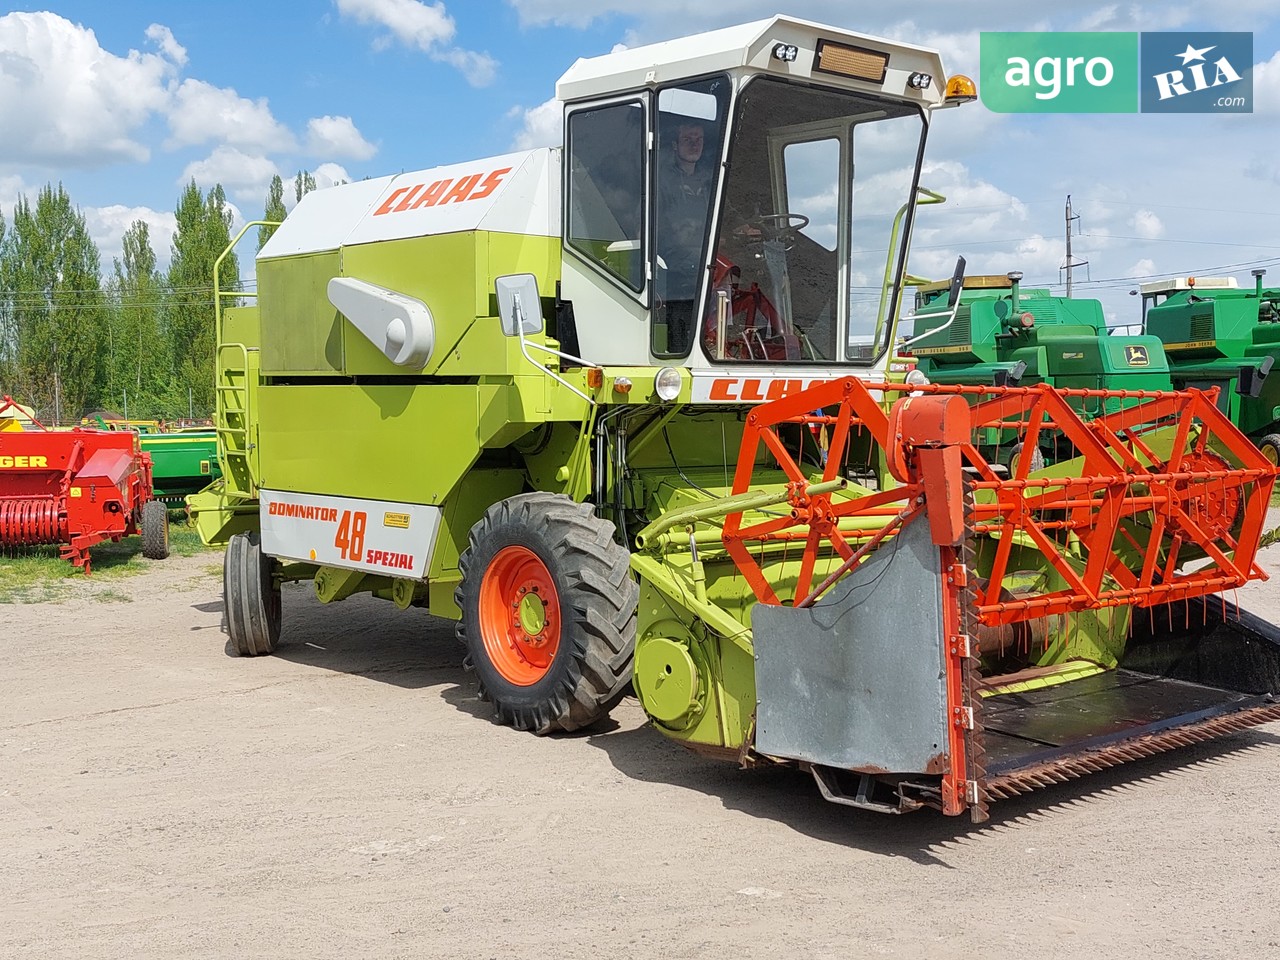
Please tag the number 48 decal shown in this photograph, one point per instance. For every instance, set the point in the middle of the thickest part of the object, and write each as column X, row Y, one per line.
column 350, row 538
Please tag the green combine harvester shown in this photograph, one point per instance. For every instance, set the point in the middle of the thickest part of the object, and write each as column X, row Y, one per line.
column 612, row 408
column 1218, row 335
column 1000, row 334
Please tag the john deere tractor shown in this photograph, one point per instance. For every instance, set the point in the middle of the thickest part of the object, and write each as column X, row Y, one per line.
column 614, row 409
column 1219, row 335
column 1000, row 333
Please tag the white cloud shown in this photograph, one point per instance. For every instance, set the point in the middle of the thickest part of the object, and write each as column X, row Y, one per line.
column 202, row 113
column 540, row 126
column 1145, row 267
column 330, row 174
column 107, row 225
column 243, row 175
column 1266, row 86
column 338, row 137
column 425, row 26
column 11, row 188
column 65, row 101
column 1147, row 225
column 326, row 175
column 163, row 38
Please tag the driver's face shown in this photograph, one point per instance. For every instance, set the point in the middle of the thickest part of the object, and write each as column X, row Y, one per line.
column 689, row 144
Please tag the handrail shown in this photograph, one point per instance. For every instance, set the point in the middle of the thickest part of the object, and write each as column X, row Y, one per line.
column 930, row 197
column 218, row 293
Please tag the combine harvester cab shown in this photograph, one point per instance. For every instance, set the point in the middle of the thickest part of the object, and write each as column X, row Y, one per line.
column 622, row 409
column 76, row 488
column 1218, row 335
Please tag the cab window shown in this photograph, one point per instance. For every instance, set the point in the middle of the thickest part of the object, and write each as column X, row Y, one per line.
column 606, row 189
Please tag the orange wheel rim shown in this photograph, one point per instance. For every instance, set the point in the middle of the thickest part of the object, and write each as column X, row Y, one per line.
column 519, row 615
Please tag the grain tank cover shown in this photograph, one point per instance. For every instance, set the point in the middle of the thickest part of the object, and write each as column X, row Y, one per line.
column 513, row 193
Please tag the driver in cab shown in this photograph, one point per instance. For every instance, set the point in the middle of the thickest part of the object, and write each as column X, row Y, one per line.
column 684, row 207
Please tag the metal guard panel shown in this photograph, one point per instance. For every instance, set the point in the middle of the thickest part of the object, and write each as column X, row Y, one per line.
column 857, row 681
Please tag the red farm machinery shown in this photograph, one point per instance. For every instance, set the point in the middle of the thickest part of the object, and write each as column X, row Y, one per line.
column 76, row 488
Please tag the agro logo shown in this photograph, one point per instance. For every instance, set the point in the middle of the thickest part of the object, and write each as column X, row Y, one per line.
column 1174, row 83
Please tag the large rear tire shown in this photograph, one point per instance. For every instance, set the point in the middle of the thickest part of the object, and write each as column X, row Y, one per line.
column 250, row 597
column 155, row 530
column 548, row 612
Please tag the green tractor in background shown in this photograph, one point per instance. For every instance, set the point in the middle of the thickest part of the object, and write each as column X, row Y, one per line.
column 1216, row 334
column 1002, row 335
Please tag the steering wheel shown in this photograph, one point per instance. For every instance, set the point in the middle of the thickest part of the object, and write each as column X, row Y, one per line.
column 779, row 226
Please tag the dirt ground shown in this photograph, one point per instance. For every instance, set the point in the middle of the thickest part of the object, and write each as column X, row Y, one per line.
column 349, row 798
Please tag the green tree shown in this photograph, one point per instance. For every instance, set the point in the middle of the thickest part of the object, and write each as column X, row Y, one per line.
column 56, row 319
column 303, row 184
column 138, row 350
column 203, row 232
column 8, row 337
column 274, row 209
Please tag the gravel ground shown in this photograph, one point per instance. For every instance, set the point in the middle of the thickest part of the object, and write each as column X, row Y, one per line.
column 349, row 798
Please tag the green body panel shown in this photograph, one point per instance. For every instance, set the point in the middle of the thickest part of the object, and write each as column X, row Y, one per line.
column 181, row 463
column 1067, row 346
column 301, row 330
column 1210, row 334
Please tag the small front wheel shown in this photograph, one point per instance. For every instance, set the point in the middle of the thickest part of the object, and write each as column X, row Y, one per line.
column 250, row 597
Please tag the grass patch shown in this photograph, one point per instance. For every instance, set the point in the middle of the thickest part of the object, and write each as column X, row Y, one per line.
column 39, row 575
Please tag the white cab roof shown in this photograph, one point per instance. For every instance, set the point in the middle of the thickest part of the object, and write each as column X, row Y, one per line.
column 748, row 45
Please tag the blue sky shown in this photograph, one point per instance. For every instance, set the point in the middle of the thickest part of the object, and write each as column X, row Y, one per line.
column 124, row 101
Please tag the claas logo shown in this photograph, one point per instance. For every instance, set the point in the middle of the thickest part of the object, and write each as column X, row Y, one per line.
column 475, row 186
column 1136, row 356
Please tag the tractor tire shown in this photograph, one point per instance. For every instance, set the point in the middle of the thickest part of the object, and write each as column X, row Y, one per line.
column 155, row 530
column 1037, row 459
column 1270, row 447
column 250, row 597
column 548, row 612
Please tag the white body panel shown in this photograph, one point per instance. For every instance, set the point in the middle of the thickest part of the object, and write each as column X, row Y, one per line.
column 737, row 385
column 613, row 327
column 512, row 193
column 398, row 325
column 397, row 538
column 323, row 218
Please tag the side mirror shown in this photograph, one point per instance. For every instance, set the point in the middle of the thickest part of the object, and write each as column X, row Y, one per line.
column 957, row 284
column 1249, row 382
column 1011, row 376
column 519, row 305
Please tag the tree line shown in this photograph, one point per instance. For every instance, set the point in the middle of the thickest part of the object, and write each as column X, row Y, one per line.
column 77, row 335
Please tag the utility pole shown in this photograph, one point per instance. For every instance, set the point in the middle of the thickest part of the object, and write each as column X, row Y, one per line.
column 1070, row 261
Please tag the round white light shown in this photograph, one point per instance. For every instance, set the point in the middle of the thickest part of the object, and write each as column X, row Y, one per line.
column 667, row 383
column 917, row 378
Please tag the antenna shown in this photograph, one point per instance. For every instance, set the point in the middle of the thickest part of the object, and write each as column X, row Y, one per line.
column 1070, row 261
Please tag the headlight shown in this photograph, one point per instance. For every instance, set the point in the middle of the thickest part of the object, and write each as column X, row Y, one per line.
column 916, row 378
column 667, row 383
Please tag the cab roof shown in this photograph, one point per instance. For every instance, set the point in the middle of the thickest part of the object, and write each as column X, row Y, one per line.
column 751, row 45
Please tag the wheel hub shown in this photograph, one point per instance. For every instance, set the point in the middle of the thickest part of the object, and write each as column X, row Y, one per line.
column 519, row 615
column 531, row 615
